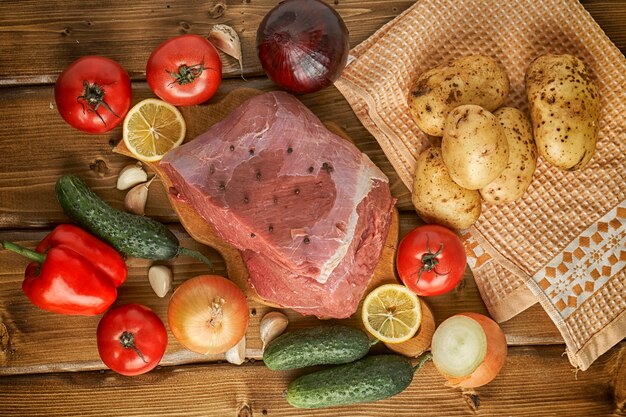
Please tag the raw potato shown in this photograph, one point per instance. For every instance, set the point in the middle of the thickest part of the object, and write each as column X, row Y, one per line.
column 516, row 177
column 473, row 79
column 565, row 110
column 474, row 146
column 438, row 199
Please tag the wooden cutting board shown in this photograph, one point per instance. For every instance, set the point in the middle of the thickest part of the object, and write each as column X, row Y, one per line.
column 203, row 232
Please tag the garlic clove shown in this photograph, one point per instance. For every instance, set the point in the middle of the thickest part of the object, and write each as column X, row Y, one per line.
column 224, row 38
column 130, row 176
column 273, row 324
column 237, row 354
column 160, row 277
column 136, row 199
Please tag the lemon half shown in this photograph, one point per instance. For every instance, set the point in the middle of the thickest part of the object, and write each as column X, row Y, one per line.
column 392, row 313
column 152, row 128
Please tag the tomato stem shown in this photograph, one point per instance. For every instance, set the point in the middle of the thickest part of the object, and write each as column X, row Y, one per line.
column 93, row 95
column 187, row 74
column 127, row 340
column 429, row 260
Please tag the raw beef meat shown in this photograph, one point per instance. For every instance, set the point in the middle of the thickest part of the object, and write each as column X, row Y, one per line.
column 309, row 210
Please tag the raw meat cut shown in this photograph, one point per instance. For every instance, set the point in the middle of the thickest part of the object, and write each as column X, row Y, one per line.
column 309, row 210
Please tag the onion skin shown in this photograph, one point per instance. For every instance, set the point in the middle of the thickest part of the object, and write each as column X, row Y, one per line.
column 494, row 357
column 303, row 45
column 190, row 310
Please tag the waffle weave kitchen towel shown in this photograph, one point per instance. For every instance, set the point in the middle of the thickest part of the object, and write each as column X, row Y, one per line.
column 564, row 243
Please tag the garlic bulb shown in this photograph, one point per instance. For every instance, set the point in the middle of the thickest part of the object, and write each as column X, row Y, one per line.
column 160, row 277
column 136, row 198
column 130, row 176
column 273, row 324
column 237, row 354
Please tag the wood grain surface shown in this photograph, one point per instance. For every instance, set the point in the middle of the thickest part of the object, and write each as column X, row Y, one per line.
column 127, row 32
column 49, row 364
column 61, row 32
column 534, row 382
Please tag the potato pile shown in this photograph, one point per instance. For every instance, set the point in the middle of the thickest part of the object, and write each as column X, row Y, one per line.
column 489, row 152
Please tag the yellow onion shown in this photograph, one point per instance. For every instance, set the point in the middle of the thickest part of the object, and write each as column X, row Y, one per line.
column 469, row 350
column 208, row 314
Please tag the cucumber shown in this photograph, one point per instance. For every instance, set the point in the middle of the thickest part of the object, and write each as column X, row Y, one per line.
column 132, row 235
column 320, row 345
column 370, row 379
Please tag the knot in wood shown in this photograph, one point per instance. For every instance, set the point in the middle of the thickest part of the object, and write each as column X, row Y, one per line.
column 472, row 399
column 184, row 26
column 5, row 339
column 100, row 167
column 245, row 411
column 217, row 10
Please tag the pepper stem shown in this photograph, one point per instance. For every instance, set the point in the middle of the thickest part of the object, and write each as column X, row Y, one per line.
column 195, row 254
column 20, row 250
column 127, row 340
column 422, row 361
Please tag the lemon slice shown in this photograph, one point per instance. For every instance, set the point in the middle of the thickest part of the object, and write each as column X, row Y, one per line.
column 152, row 128
column 392, row 313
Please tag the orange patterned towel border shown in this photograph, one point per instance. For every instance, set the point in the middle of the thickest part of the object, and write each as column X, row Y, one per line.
column 563, row 243
column 588, row 263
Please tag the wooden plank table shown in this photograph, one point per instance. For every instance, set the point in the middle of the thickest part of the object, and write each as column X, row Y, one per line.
column 49, row 364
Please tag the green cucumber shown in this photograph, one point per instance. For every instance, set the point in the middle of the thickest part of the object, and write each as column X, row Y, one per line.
column 370, row 379
column 320, row 345
column 132, row 235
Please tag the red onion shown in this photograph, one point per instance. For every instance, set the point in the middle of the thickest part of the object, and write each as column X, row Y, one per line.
column 303, row 45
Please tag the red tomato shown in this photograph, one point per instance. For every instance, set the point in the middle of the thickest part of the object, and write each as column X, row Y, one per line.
column 184, row 70
column 93, row 94
column 131, row 339
column 431, row 260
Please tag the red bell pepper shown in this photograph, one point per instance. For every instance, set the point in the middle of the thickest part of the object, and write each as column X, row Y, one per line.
column 73, row 273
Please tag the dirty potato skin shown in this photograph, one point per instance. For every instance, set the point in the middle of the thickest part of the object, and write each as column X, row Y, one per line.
column 518, row 174
column 472, row 79
column 474, row 146
column 438, row 199
column 564, row 109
